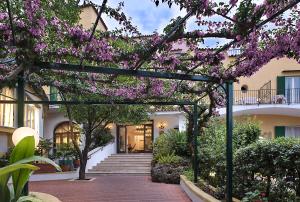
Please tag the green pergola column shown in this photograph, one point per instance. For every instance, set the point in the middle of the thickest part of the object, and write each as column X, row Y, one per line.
column 20, row 111
column 195, row 134
column 229, row 132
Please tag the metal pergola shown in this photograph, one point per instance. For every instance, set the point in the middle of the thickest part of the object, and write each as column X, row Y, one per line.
column 20, row 102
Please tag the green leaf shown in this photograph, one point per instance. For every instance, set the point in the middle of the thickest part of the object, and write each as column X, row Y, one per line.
column 16, row 166
column 24, row 149
column 39, row 158
column 5, row 174
column 4, row 189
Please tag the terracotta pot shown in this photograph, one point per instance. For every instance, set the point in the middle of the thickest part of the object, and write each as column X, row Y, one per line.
column 66, row 165
column 76, row 163
column 65, row 168
column 44, row 168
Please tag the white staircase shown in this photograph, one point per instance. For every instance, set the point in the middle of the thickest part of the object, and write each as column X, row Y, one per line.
column 124, row 164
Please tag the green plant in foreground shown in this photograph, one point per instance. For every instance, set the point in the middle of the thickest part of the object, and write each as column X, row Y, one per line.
column 20, row 169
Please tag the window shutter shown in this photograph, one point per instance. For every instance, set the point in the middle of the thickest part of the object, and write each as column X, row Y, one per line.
column 279, row 131
column 280, row 85
column 53, row 94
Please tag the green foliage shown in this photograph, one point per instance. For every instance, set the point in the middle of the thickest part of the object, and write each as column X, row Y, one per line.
column 271, row 167
column 246, row 16
column 169, row 151
column 189, row 173
column 212, row 150
column 65, row 151
column 102, row 136
column 19, row 169
column 170, row 142
column 169, row 159
column 44, row 147
column 255, row 196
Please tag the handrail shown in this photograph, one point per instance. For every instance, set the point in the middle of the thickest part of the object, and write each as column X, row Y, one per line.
column 98, row 149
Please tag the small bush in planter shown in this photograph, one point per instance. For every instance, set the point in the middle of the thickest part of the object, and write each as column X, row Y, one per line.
column 168, row 169
column 66, row 152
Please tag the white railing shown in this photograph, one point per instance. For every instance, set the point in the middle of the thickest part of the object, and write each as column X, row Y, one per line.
column 234, row 52
column 99, row 154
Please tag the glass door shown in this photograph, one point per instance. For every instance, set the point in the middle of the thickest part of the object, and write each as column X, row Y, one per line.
column 148, row 137
column 122, row 139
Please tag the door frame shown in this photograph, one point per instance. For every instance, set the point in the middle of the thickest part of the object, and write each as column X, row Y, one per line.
column 126, row 135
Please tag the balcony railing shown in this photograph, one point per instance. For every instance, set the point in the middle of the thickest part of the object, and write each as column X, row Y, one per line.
column 267, row 96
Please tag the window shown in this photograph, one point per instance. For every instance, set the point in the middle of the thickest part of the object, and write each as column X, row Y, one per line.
column 287, row 131
column 6, row 110
column 62, row 134
column 29, row 116
column 292, row 131
column 292, row 89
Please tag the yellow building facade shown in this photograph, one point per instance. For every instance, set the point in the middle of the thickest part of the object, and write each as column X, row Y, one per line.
column 272, row 97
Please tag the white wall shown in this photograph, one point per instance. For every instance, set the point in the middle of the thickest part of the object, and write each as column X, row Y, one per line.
column 51, row 120
column 171, row 119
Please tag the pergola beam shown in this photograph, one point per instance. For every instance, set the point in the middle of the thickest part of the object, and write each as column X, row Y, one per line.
column 127, row 72
column 96, row 102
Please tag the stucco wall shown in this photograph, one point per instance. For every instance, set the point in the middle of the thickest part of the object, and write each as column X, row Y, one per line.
column 175, row 120
column 269, row 72
column 268, row 122
column 88, row 17
column 51, row 121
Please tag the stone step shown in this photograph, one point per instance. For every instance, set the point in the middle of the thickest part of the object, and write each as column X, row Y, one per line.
column 112, row 163
column 127, row 160
column 124, row 164
column 118, row 172
column 129, row 157
column 121, row 167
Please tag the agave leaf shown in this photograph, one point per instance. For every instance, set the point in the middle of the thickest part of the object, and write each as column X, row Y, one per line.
column 24, row 149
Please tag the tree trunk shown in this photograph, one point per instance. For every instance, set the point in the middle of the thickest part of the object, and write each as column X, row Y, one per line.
column 83, row 162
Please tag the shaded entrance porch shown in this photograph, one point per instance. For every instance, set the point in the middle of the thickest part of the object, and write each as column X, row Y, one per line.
column 135, row 138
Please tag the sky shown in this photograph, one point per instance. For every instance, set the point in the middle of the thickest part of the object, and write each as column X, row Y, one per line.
column 149, row 18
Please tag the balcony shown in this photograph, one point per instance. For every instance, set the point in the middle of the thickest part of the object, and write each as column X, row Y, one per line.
column 267, row 96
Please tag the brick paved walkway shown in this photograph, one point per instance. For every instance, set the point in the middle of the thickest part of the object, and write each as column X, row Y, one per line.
column 112, row 189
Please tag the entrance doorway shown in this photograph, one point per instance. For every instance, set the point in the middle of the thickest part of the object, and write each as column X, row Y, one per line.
column 135, row 138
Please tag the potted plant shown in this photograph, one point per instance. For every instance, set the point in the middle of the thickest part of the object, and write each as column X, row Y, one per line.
column 66, row 162
column 76, row 158
column 43, row 149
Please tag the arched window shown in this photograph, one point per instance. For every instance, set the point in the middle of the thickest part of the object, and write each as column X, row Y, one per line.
column 62, row 134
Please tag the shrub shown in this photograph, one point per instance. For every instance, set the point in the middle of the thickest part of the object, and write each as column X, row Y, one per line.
column 169, row 173
column 212, row 148
column 169, row 159
column 168, row 150
column 169, row 142
column 271, row 167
